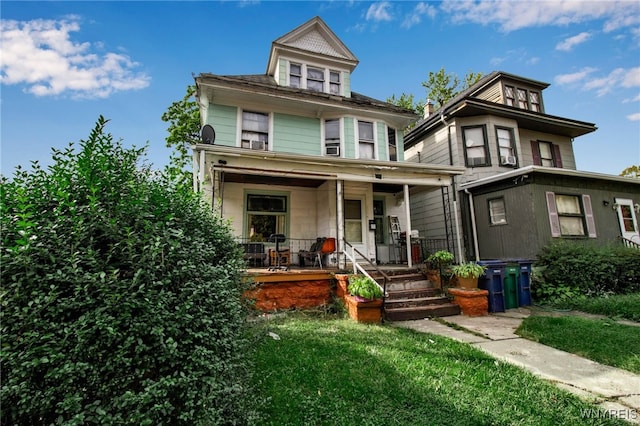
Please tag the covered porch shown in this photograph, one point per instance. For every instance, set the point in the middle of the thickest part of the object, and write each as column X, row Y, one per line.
column 304, row 199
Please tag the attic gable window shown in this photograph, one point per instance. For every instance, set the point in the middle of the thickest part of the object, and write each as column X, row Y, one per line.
column 334, row 82
column 523, row 98
column 476, row 151
column 295, row 75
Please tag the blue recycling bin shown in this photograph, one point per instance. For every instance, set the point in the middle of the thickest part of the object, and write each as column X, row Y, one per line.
column 492, row 281
column 524, row 282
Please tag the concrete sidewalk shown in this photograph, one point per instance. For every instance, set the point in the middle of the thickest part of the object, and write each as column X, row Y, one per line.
column 616, row 391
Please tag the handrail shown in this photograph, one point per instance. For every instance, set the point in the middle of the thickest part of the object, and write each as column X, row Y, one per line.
column 357, row 267
column 629, row 243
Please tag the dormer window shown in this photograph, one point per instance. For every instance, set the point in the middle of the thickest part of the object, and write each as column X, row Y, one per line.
column 295, row 75
column 315, row 79
column 334, row 82
column 522, row 98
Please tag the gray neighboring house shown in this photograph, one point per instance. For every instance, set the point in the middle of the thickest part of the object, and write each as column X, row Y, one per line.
column 521, row 188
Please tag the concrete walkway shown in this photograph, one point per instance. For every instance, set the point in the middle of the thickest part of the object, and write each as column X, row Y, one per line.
column 614, row 390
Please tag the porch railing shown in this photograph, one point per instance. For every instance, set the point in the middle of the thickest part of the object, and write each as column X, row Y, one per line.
column 255, row 249
column 350, row 253
column 629, row 243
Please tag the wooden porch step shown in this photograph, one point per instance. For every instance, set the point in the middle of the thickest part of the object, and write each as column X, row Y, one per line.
column 421, row 312
column 416, row 302
column 416, row 293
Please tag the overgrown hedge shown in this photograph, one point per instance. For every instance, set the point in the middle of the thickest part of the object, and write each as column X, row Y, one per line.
column 120, row 296
column 568, row 269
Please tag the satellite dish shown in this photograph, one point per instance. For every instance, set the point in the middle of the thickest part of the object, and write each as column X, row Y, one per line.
column 207, row 134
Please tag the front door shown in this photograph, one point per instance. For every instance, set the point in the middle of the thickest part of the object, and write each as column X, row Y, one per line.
column 354, row 230
column 628, row 220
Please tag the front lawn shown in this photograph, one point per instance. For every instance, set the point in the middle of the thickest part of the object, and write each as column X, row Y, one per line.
column 616, row 306
column 601, row 340
column 338, row 372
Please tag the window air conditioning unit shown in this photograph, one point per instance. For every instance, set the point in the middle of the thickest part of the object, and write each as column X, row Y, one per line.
column 509, row 160
column 476, row 161
column 333, row 150
column 258, row 145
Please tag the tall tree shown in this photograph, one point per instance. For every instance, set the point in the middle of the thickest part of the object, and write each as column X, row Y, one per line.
column 631, row 171
column 440, row 87
column 183, row 117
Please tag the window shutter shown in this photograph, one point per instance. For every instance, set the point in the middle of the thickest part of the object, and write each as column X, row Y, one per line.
column 588, row 213
column 553, row 214
column 556, row 156
column 535, row 153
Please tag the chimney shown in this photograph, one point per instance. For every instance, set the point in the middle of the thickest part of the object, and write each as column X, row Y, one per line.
column 428, row 108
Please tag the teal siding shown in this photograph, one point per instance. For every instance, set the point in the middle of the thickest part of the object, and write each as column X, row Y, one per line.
column 382, row 141
column 224, row 119
column 346, row 77
column 299, row 135
column 283, row 72
column 400, row 145
column 349, row 138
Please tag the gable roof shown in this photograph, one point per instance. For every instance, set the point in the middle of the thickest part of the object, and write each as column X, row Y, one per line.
column 466, row 104
column 312, row 39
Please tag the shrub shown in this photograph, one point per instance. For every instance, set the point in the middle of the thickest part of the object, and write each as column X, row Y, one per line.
column 121, row 296
column 568, row 269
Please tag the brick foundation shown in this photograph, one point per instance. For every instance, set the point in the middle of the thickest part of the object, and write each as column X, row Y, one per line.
column 290, row 294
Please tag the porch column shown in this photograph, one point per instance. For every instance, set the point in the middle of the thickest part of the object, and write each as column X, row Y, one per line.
column 340, row 224
column 407, row 210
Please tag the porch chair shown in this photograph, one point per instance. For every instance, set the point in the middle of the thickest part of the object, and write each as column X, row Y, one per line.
column 280, row 255
column 319, row 249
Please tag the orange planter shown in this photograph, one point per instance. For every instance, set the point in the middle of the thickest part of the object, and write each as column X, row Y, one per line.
column 369, row 312
column 472, row 302
column 467, row 282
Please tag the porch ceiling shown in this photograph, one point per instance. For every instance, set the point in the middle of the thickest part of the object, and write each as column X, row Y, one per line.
column 272, row 180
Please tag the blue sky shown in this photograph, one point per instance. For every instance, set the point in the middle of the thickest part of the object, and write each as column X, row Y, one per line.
column 66, row 63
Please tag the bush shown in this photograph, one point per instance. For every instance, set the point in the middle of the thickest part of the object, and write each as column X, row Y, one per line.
column 568, row 269
column 121, row 296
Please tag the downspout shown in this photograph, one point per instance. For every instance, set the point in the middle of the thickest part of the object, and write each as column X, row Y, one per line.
column 453, row 188
column 474, row 231
column 194, row 173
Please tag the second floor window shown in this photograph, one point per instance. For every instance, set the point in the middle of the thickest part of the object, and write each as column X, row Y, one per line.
column 393, row 150
column 365, row 140
column 475, row 143
column 255, row 130
column 506, row 146
column 332, row 137
column 546, row 154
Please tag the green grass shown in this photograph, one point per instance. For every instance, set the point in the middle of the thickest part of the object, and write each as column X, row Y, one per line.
column 601, row 340
column 617, row 306
column 339, row 372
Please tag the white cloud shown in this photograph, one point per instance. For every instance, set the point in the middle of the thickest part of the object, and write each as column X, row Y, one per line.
column 568, row 44
column 415, row 17
column 379, row 12
column 41, row 55
column 575, row 77
column 513, row 15
column 635, row 99
column 634, row 117
column 617, row 78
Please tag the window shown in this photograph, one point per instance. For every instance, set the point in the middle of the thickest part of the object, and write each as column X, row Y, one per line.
column 506, row 144
column 546, row 154
column 334, row 82
column 393, row 150
column 365, row 140
column 534, row 101
column 523, row 98
column 315, row 79
column 266, row 215
column 570, row 215
column 497, row 212
column 255, row 130
column 509, row 96
column 332, row 137
column 353, row 221
column 475, row 142
column 295, row 75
